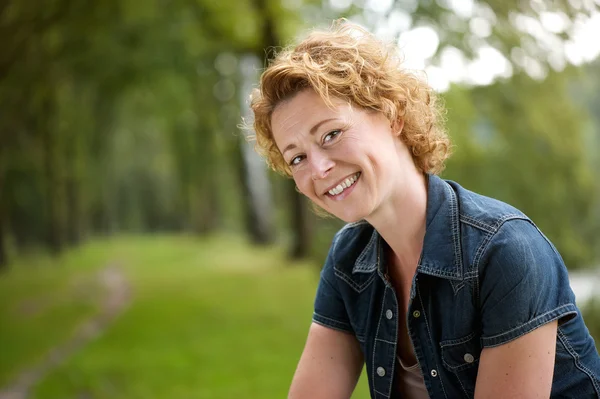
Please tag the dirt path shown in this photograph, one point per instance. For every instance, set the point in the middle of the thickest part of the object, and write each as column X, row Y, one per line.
column 116, row 297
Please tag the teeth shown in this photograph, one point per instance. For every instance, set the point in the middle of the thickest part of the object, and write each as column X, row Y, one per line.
column 343, row 185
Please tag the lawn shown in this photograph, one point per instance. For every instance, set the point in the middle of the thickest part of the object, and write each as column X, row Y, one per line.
column 208, row 319
column 42, row 300
column 211, row 319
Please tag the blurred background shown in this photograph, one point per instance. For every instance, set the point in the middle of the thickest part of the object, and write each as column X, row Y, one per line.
column 147, row 252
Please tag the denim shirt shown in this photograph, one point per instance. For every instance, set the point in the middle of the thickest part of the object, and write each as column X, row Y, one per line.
column 486, row 276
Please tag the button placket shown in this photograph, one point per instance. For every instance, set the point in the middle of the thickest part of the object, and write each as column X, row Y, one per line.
column 383, row 369
column 422, row 335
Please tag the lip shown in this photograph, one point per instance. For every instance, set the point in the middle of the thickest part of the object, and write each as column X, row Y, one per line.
column 338, row 183
column 341, row 196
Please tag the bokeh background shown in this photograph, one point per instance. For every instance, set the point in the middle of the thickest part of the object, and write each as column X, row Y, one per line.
column 147, row 252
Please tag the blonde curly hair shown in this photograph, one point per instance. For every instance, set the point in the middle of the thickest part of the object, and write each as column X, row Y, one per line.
column 349, row 63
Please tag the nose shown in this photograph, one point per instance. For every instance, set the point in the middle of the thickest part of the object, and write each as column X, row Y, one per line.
column 320, row 164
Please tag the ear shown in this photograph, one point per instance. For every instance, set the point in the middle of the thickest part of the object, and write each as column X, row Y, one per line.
column 397, row 127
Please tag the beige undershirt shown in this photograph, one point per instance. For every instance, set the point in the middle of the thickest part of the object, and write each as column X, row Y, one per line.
column 410, row 382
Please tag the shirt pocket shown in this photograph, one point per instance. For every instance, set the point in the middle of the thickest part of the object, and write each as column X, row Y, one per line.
column 461, row 357
column 358, row 282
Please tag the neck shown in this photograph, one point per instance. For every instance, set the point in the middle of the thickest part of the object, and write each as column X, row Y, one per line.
column 402, row 221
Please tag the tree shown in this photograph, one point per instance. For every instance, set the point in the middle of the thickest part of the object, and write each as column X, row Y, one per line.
column 507, row 147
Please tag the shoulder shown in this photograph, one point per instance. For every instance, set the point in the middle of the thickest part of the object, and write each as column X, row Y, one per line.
column 505, row 235
column 520, row 244
column 520, row 247
column 483, row 212
column 351, row 243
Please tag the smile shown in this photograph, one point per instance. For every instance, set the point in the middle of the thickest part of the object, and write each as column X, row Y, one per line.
column 344, row 185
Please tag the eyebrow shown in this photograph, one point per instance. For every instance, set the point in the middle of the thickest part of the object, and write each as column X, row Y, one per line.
column 312, row 131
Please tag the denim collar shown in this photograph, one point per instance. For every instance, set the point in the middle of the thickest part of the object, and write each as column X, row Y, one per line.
column 441, row 255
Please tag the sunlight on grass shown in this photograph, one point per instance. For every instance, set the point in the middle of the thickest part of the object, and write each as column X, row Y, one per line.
column 42, row 301
column 213, row 318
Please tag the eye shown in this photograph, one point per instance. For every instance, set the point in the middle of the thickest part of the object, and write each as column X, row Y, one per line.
column 296, row 160
column 331, row 135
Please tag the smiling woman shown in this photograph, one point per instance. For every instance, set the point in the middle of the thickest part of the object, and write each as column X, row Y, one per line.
column 344, row 158
column 441, row 292
column 330, row 64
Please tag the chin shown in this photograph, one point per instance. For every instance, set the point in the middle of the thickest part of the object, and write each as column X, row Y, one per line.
column 352, row 220
column 347, row 213
column 349, row 217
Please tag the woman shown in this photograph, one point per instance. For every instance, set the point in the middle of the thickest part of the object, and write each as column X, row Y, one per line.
column 441, row 292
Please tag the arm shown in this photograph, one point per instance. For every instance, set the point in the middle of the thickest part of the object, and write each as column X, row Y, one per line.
column 329, row 367
column 522, row 368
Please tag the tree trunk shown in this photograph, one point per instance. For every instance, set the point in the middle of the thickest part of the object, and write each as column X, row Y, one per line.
column 299, row 212
column 73, row 212
column 301, row 223
column 76, row 158
column 3, row 255
column 204, row 207
column 53, row 228
column 99, row 150
column 258, row 214
column 253, row 172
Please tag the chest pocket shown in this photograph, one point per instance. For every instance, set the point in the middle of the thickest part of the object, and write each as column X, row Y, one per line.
column 461, row 357
column 357, row 281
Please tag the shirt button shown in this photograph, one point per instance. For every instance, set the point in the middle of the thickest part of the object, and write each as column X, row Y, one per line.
column 434, row 373
column 380, row 371
column 469, row 358
column 388, row 314
column 416, row 314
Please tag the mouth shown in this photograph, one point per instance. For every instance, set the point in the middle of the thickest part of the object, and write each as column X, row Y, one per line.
column 344, row 186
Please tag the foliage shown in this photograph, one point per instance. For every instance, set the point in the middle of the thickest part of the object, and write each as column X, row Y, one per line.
column 507, row 146
column 122, row 116
column 591, row 315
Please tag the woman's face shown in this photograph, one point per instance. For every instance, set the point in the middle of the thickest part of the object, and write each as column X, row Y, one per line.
column 347, row 160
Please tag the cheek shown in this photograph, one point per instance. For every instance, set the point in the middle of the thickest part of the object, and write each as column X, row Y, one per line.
column 304, row 183
column 348, row 151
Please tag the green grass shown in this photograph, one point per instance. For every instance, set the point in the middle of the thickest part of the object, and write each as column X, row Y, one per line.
column 209, row 319
column 42, row 300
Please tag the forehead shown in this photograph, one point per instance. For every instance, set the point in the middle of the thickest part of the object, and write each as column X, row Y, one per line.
column 303, row 110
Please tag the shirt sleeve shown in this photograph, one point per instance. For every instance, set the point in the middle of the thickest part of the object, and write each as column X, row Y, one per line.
column 330, row 310
column 523, row 284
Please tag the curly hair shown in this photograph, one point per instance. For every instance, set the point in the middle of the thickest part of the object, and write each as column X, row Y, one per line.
column 349, row 63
